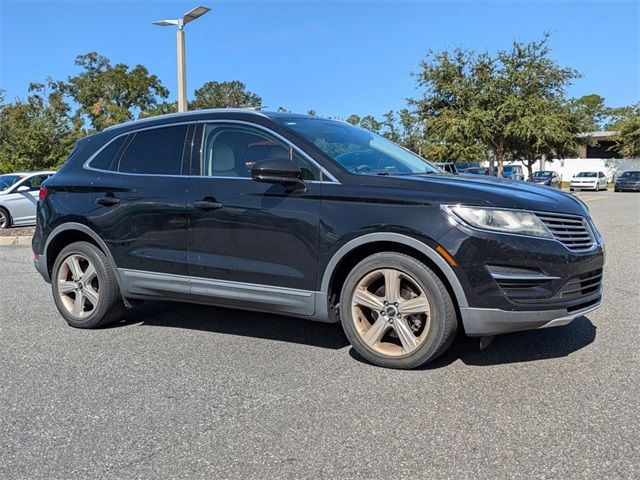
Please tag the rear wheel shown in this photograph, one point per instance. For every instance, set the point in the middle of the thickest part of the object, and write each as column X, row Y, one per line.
column 84, row 287
column 5, row 218
column 396, row 312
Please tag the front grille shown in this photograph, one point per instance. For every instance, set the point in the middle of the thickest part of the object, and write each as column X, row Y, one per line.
column 573, row 232
column 582, row 285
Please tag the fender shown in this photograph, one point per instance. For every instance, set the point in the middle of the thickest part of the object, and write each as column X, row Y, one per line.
column 84, row 229
column 404, row 240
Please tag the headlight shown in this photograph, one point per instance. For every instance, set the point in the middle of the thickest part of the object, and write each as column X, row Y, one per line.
column 505, row 221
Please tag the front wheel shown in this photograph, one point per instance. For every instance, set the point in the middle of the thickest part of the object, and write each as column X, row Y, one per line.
column 396, row 312
column 84, row 287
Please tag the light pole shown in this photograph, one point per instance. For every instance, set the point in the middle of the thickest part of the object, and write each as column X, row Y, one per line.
column 190, row 16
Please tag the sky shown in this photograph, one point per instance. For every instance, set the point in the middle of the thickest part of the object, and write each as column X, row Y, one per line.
column 336, row 57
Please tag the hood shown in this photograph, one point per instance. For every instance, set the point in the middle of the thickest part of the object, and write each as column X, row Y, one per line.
column 487, row 191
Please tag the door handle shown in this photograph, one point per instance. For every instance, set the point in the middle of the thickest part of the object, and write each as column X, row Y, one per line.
column 108, row 201
column 207, row 205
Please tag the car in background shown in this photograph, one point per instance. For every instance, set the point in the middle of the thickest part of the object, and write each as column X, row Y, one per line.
column 19, row 196
column 628, row 181
column 476, row 171
column 514, row 172
column 588, row 181
column 547, row 177
column 448, row 167
column 462, row 167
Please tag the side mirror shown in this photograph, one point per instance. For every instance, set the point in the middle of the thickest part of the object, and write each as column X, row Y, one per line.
column 278, row 170
column 23, row 188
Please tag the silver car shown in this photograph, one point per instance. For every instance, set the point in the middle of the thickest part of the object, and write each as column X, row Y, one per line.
column 19, row 196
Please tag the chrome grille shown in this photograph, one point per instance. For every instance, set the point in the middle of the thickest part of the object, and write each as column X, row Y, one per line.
column 571, row 231
column 582, row 285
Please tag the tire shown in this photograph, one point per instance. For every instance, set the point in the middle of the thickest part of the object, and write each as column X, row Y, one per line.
column 402, row 337
column 72, row 277
column 5, row 218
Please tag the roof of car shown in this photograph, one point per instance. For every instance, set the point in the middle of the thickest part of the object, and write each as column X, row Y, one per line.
column 199, row 114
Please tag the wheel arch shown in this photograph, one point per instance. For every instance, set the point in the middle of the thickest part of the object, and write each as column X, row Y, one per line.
column 361, row 247
column 71, row 232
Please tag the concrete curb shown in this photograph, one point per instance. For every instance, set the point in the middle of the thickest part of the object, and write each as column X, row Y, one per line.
column 11, row 241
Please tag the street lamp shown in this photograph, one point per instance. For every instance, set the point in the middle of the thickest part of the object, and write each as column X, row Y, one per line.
column 190, row 16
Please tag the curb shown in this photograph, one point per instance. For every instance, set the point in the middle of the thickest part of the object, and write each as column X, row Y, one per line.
column 11, row 241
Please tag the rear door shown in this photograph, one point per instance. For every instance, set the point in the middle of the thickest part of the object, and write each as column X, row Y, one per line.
column 249, row 239
column 138, row 209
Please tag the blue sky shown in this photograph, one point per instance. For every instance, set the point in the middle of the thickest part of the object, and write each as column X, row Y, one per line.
column 338, row 57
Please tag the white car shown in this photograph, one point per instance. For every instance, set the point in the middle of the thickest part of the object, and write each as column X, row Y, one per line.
column 19, row 197
column 588, row 181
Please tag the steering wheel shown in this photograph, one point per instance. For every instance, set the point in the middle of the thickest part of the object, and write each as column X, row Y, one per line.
column 362, row 168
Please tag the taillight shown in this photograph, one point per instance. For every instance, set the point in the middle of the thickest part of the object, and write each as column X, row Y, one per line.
column 42, row 194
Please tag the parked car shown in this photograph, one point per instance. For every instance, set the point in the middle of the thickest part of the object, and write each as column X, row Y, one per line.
column 337, row 225
column 628, row 181
column 513, row 172
column 477, row 171
column 462, row 167
column 588, row 181
column 547, row 177
column 18, row 197
column 448, row 167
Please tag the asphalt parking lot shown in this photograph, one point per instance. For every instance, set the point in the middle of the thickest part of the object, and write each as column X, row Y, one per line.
column 180, row 391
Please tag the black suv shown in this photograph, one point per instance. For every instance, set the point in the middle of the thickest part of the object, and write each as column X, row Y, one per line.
column 312, row 218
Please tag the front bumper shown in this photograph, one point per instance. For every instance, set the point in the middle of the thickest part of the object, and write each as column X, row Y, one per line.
column 627, row 187
column 514, row 282
column 479, row 322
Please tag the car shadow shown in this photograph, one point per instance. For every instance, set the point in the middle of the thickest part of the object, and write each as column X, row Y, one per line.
column 517, row 347
column 236, row 322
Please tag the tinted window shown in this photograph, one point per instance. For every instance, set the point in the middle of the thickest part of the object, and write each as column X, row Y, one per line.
column 156, row 151
column 34, row 182
column 231, row 151
column 103, row 160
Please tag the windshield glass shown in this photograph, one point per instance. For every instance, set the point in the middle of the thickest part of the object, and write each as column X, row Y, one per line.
column 7, row 180
column 542, row 174
column 631, row 175
column 357, row 150
column 587, row 174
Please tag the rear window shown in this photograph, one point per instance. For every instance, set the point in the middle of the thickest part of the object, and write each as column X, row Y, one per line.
column 103, row 160
column 155, row 152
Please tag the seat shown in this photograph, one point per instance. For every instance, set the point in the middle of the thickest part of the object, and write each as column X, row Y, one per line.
column 222, row 161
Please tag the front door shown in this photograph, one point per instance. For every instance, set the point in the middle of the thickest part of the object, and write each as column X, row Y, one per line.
column 250, row 240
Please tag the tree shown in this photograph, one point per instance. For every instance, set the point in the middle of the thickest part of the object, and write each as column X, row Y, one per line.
column 233, row 94
column 500, row 102
column 368, row 122
column 38, row 133
column 109, row 94
column 628, row 133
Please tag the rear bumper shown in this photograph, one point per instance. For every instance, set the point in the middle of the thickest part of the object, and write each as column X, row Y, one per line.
column 488, row 321
column 41, row 266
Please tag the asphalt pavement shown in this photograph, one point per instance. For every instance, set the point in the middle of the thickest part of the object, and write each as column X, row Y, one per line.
column 181, row 391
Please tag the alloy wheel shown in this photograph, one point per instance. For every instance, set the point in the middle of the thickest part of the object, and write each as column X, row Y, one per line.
column 4, row 219
column 391, row 312
column 78, row 286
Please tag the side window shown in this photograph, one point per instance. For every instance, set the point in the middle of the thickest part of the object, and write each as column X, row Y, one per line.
column 34, row 182
column 232, row 150
column 157, row 151
column 601, row 175
column 103, row 160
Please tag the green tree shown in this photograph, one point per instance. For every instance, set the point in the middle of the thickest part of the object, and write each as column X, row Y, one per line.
column 38, row 133
column 628, row 133
column 233, row 94
column 110, row 94
column 473, row 100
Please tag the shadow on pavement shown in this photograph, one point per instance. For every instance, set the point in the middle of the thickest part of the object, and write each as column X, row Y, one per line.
column 509, row 348
column 237, row 322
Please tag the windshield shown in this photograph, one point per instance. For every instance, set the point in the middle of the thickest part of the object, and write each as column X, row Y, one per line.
column 631, row 175
column 7, row 180
column 587, row 174
column 357, row 150
column 542, row 174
